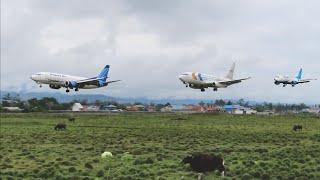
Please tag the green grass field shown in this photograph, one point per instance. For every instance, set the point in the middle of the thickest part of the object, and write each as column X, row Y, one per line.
column 253, row 147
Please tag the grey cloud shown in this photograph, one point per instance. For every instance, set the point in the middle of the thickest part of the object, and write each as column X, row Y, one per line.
column 264, row 37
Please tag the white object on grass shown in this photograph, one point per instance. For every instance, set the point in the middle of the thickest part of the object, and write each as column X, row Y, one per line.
column 106, row 154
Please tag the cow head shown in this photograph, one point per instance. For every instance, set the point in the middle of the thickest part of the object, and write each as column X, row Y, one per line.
column 187, row 160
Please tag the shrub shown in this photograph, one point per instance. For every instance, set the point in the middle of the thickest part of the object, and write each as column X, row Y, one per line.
column 265, row 177
column 72, row 169
column 88, row 165
column 246, row 177
column 100, row 173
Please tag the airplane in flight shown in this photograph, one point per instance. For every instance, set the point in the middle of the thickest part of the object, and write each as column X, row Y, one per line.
column 285, row 80
column 57, row 81
column 201, row 81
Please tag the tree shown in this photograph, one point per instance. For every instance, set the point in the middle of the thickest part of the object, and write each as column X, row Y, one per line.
column 220, row 102
column 201, row 103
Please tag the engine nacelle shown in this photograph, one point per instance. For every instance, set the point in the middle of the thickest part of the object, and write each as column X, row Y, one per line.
column 52, row 86
column 71, row 84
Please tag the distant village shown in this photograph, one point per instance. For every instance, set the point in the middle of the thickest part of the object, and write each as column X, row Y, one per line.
column 49, row 104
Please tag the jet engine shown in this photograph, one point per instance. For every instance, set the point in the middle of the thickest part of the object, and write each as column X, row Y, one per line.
column 52, row 86
column 71, row 84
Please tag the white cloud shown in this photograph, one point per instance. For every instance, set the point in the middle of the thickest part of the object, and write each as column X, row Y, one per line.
column 64, row 35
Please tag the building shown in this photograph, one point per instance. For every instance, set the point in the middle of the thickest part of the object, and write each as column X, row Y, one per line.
column 151, row 109
column 240, row 110
column 91, row 108
column 136, row 108
column 77, row 107
column 166, row 109
column 12, row 109
column 110, row 107
column 204, row 108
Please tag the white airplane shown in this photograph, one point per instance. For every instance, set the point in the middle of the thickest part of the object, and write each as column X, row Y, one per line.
column 279, row 79
column 57, row 81
column 201, row 81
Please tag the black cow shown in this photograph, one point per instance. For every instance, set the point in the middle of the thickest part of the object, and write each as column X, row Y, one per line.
column 297, row 127
column 205, row 163
column 72, row 119
column 60, row 126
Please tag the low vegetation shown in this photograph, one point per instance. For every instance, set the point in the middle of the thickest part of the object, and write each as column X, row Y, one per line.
column 152, row 146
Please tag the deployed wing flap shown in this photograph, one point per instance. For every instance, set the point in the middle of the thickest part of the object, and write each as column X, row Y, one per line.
column 234, row 81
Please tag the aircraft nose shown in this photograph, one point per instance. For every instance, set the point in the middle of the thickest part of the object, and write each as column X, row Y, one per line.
column 32, row 77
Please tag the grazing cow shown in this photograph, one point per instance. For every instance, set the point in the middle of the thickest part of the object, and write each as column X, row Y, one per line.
column 205, row 163
column 297, row 127
column 60, row 126
column 72, row 119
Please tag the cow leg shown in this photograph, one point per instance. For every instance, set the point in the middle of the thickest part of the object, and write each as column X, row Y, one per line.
column 199, row 176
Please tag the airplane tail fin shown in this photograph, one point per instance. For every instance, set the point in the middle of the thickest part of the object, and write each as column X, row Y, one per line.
column 104, row 73
column 231, row 71
column 299, row 75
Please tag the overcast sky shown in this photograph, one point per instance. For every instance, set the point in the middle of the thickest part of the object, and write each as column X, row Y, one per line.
column 149, row 43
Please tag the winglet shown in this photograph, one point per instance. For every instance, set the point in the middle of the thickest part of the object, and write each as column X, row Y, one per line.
column 299, row 75
column 231, row 71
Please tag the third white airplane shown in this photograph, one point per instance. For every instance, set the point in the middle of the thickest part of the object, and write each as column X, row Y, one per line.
column 280, row 79
column 57, row 81
column 201, row 81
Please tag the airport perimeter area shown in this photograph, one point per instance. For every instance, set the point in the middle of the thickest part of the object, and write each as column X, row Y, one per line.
column 152, row 146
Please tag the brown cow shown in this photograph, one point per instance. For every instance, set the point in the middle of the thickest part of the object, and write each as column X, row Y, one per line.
column 60, row 126
column 205, row 163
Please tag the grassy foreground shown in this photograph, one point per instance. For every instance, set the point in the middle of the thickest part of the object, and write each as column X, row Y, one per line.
column 151, row 146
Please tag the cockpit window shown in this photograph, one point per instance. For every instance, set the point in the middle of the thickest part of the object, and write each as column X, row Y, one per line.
column 185, row 74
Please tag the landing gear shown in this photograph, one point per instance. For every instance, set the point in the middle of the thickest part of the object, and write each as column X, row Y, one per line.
column 40, row 85
column 215, row 89
column 292, row 85
column 202, row 90
column 284, row 85
column 187, row 85
column 67, row 90
column 77, row 89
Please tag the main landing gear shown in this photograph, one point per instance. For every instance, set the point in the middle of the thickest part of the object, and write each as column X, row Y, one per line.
column 284, row 85
column 202, row 90
column 68, row 90
column 215, row 89
column 77, row 89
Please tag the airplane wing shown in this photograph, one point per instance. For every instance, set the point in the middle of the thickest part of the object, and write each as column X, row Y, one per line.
column 228, row 83
column 90, row 81
column 112, row 81
column 93, row 81
column 306, row 80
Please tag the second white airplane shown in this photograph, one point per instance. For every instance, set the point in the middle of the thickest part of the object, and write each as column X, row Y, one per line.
column 201, row 81
column 57, row 81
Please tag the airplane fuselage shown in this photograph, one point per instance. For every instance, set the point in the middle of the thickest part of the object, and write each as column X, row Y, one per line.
column 56, row 81
column 285, row 80
column 197, row 80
